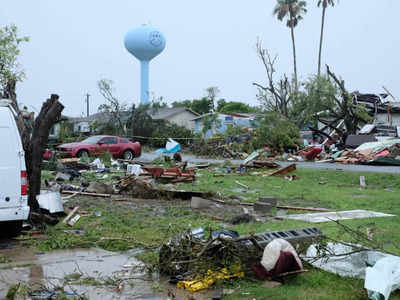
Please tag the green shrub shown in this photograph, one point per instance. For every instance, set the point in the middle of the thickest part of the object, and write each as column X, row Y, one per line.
column 276, row 131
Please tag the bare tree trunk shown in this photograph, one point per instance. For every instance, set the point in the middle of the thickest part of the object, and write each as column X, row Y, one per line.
column 48, row 116
column 294, row 59
column 321, row 40
column 34, row 141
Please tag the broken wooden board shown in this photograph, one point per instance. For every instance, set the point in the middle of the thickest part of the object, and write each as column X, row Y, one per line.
column 87, row 194
column 284, row 171
column 74, row 220
column 70, row 215
column 303, row 208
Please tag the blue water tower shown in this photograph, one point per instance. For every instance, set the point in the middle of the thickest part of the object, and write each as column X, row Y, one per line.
column 144, row 43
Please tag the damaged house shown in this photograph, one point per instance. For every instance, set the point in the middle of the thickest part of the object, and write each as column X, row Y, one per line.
column 384, row 123
column 218, row 123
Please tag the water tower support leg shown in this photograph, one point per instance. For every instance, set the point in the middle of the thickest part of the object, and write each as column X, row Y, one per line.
column 144, row 66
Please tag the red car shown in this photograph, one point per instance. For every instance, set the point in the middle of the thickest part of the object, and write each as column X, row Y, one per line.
column 100, row 144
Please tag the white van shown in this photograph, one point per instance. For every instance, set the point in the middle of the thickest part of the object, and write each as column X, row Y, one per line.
column 13, row 177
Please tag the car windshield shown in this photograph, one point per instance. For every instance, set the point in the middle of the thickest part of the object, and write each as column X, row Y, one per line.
column 92, row 140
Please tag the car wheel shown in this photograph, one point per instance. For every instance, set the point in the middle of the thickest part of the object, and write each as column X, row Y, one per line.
column 82, row 154
column 128, row 155
column 10, row 229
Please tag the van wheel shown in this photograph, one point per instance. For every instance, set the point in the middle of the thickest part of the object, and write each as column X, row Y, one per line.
column 128, row 155
column 82, row 154
column 10, row 229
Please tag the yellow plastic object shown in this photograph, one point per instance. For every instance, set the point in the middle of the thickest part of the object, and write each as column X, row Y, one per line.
column 198, row 285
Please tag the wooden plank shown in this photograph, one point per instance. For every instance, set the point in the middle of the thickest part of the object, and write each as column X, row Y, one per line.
column 70, row 215
column 303, row 208
column 284, row 171
column 74, row 220
column 87, row 194
column 242, row 185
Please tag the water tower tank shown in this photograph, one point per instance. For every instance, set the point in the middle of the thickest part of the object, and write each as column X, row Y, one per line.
column 144, row 43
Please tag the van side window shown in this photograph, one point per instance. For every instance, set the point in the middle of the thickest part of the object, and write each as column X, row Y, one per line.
column 124, row 141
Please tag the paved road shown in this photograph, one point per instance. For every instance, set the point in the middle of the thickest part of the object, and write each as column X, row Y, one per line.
column 308, row 165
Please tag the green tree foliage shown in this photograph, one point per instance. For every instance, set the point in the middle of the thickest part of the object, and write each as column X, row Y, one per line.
column 293, row 11
column 317, row 96
column 164, row 130
column 141, row 123
column 154, row 132
column 234, row 107
column 277, row 132
column 210, row 122
column 201, row 106
column 9, row 51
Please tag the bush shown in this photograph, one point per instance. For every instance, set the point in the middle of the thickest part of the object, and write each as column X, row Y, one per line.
column 277, row 132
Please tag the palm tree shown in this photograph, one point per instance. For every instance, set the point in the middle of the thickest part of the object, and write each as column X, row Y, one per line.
column 293, row 10
column 324, row 4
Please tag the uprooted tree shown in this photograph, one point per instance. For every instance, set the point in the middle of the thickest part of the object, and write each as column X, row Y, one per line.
column 344, row 115
column 34, row 135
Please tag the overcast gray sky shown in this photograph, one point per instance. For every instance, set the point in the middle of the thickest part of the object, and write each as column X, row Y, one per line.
column 75, row 43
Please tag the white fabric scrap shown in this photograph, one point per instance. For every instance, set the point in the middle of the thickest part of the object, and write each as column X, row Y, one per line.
column 273, row 250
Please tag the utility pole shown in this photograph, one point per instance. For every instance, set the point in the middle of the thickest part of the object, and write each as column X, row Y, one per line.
column 87, row 104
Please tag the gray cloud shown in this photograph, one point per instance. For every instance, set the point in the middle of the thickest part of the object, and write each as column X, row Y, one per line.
column 76, row 43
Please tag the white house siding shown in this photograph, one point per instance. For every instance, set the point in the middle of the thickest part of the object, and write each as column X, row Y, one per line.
column 183, row 119
column 83, row 127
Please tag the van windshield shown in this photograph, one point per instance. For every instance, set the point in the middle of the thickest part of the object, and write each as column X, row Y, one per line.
column 92, row 140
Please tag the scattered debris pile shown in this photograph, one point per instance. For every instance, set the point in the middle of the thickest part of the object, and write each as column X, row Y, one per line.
column 385, row 152
column 216, row 148
column 190, row 258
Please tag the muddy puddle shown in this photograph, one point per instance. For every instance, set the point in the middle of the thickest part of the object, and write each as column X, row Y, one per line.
column 51, row 269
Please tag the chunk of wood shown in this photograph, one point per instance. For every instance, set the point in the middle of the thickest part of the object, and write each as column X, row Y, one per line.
column 68, row 160
column 72, row 212
column 303, row 208
column 87, row 194
column 74, row 220
column 272, row 284
column 242, row 185
column 284, row 171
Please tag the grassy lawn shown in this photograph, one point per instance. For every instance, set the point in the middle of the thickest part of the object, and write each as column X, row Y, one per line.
column 147, row 224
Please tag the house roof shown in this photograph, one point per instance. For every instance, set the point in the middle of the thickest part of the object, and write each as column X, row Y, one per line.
column 237, row 115
column 100, row 116
column 156, row 114
column 167, row 112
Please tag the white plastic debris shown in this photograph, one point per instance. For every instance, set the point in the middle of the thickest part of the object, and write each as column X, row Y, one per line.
column 383, row 277
column 97, row 163
column 134, row 169
column 50, row 201
column 339, row 261
column 171, row 146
